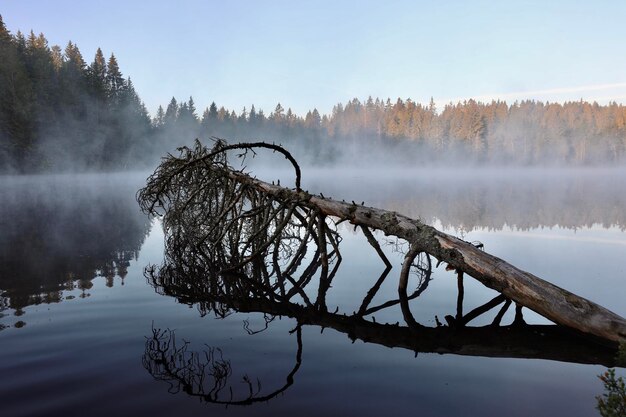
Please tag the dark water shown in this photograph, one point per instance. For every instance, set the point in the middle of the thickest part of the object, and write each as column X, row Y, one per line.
column 78, row 315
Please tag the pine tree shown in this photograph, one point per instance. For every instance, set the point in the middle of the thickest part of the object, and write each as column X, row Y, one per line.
column 213, row 111
column 39, row 63
column 114, row 79
column 171, row 113
column 57, row 57
column 278, row 115
column 205, row 123
column 290, row 118
column 192, row 109
column 97, row 73
column 159, row 118
column 5, row 35
column 129, row 95
column 312, row 119
column 252, row 116
column 20, row 42
column 75, row 61
column 317, row 120
column 243, row 117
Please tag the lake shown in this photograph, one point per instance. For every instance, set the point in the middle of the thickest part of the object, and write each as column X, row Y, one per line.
column 85, row 331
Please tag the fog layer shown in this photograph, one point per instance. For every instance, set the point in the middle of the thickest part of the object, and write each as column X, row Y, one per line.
column 59, row 113
column 60, row 232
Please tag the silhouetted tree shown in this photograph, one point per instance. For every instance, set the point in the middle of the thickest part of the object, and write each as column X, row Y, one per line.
column 114, row 79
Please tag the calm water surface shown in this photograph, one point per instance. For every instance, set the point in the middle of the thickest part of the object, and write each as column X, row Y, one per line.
column 77, row 313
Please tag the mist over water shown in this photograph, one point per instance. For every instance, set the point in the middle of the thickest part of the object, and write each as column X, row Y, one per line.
column 473, row 198
column 75, row 301
column 63, row 112
column 87, row 327
column 60, row 232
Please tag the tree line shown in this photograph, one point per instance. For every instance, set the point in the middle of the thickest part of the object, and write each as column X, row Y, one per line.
column 523, row 133
column 57, row 111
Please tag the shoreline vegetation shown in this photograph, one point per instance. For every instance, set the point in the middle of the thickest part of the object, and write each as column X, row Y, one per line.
column 58, row 113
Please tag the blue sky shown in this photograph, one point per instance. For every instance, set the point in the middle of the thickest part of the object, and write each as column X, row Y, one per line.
column 318, row 53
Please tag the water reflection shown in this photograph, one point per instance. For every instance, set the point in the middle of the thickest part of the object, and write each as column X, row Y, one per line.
column 490, row 199
column 59, row 233
column 236, row 251
column 207, row 375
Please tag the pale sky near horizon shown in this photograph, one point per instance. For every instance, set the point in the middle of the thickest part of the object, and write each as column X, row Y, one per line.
column 307, row 54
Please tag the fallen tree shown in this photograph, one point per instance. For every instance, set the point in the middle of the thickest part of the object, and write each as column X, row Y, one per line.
column 233, row 220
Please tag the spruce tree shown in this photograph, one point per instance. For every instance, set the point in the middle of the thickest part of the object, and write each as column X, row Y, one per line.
column 252, row 117
column 114, row 79
column 97, row 73
column 192, row 109
column 75, row 61
column 171, row 113
column 213, row 111
column 5, row 35
column 57, row 57
column 159, row 118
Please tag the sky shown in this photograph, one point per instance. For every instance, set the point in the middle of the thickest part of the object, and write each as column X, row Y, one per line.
column 315, row 54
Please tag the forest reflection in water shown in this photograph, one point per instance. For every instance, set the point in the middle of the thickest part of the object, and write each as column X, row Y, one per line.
column 488, row 199
column 59, row 233
column 82, row 232
column 230, row 249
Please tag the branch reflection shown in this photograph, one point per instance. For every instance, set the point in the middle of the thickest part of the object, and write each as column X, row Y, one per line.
column 205, row 375
column 233, row 250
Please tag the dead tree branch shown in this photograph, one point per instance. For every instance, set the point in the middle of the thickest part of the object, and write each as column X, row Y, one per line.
column 229, row 221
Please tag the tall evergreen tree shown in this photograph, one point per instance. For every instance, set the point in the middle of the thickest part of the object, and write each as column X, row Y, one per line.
column 97, row 73
column 278, row 114
column 20, row 42
column 171, row 113
column 75, row 61
column 57, row 57
column 5, row 35
column 252, row 117
column 159, row 118
column 192, row 109
column 242, row 120
column 213, row 111
column 114, row 79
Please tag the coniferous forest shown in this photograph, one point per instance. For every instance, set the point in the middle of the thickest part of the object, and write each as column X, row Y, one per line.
column 58, row 112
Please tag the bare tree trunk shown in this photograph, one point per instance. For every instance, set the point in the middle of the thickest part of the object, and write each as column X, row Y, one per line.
column 200, row 187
